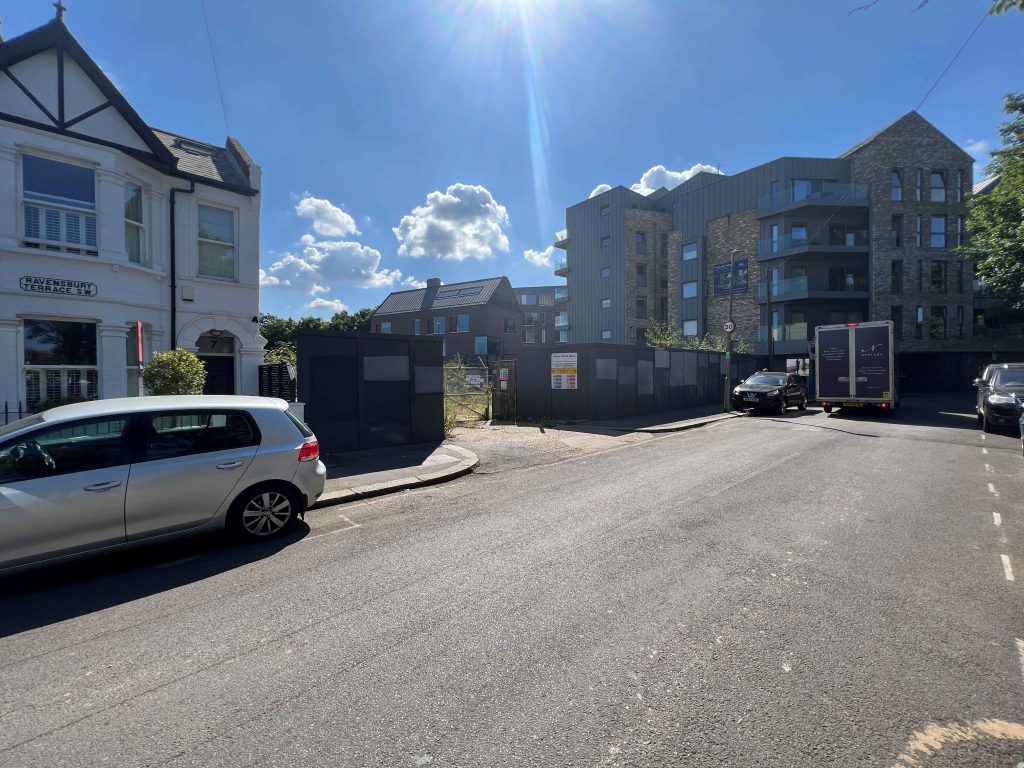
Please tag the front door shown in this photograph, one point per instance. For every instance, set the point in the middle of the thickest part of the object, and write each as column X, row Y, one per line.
column 220, row 374
column 62, row 489
column 189, row 463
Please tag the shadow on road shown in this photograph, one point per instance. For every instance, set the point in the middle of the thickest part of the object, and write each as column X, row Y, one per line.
column 48, row 595
column 950, row 411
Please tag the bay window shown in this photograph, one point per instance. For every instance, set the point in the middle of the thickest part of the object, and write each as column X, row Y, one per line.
column 60, row 362
column 58, row 206
column 217, row 255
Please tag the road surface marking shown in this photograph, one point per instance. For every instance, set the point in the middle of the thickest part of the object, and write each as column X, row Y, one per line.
column 997, row 519
column 985, row 451
column 927, row 742
column 1007, row 568
column 988, row 467
column 982, row 437
column 1020, row 655
column 992, row 490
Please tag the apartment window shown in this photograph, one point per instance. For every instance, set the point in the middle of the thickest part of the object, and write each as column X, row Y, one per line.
column 938, row 239
column 563, row 337
column 689, row 328
column 547, row 299
column 775, row 238
column 919, row 187
column 561, row 293
column 896, row 315
column 663, row 278
column 480, row 345
column 895, row 185
column 801, row 189
column 937, row 326
column 960, row 276
column 938, row 186
column 385, row 327
column 59, row 206
column 606, row 303
column 606, row 335
column 919, row 324
column 960, row 186
column 134, row 238
column 458, row 323
column 920, row 275
column 416, row 326
column 938, row 277
column 896, row 272
column 216, row 242
column 510, row 325
column 917, row 230
column 798, row 232
column 896, row 231
column 606, row 272
column 606, row 241
column 438, row 326
column 641, row 243
column 641, row 275
column 690, row 290
column 689, row 251
column 961, row 230
column 528, row 299
column 529, row 335
column 606, row 210
column 641, row 307
column 531, row 318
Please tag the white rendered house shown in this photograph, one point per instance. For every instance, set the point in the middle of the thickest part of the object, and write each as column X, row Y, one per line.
column 109, row 227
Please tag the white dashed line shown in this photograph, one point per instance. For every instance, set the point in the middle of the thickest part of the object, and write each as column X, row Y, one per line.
column 985, row 451
column 992, row 490
column 988, row 467
column 1007, row 568
column 997, row 518
column 1020, row 654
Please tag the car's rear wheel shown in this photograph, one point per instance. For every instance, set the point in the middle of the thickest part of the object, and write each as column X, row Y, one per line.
column 264, row 512
column 827, row 409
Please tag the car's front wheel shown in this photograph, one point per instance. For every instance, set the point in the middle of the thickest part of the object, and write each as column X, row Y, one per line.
column 802, row 405
column 263, row 512
column 986, row 425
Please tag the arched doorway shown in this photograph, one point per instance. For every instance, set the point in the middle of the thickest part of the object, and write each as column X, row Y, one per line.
column 217, row 349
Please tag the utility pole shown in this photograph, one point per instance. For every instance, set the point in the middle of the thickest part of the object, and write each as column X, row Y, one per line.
column 730, row 326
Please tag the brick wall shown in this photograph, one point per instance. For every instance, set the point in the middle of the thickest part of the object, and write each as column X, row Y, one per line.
column 738, row 231
column 653, row 224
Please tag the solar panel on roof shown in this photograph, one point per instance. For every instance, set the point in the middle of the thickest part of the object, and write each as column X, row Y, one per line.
column 471, row 291
column 448, row 294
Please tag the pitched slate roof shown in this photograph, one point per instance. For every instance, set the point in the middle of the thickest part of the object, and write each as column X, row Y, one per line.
column 206, row 161
column 497, row 290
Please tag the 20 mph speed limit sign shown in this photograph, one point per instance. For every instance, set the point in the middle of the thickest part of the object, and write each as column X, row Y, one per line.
column 729, row 326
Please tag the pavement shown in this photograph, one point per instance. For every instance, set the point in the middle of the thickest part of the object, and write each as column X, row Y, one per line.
column 806, row 590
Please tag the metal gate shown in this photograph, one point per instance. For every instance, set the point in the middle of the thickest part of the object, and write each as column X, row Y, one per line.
column 504, row 394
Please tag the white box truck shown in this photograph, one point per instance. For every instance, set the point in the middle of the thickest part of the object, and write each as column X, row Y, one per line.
column 855, row 366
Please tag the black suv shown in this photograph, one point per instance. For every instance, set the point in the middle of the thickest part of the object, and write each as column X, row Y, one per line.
column 770, row 391
column 1002, row 402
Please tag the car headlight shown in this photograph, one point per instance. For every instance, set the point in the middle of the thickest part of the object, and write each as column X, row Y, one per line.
column 1001, row 399
column 736, row 391
column 775, row 393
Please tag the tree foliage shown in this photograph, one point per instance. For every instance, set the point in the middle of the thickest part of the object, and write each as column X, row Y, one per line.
column 282, row 352
column 714, row 343
column 178, row 372
column 996, row 221
column 663, row 335
column 280, row 331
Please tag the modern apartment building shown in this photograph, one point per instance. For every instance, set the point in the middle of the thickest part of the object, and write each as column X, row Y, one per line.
column 790, row 245
column 116, row 239
column 545, row 318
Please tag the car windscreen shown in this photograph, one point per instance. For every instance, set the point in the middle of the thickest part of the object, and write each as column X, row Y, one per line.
column 761, row 378
column 1013, row 377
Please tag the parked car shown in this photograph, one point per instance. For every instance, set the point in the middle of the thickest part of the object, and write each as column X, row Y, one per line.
column 1021, row 425
column 102, row 475
column 770, row 391
column 982, row 383
column 1003, row 402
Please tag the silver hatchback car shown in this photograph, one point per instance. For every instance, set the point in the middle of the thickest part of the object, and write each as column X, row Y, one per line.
column 97, row 476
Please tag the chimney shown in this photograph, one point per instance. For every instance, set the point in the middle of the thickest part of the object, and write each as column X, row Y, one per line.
column 434, row 282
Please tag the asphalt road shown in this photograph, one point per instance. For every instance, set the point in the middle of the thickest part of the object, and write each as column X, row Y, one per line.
column 798, row 591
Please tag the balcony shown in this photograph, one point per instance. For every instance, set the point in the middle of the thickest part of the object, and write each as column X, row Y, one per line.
column 791, row 332
column 561, row 294
column 562, row 320
column 784, row 290
column 811, row 193
column 849, row 285
column 562, row 239
column 562, row 269
column 847, row 241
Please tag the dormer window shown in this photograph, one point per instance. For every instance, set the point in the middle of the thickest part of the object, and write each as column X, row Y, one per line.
column 59, row 206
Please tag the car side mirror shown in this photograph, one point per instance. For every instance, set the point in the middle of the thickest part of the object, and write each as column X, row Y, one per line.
column 978, row 382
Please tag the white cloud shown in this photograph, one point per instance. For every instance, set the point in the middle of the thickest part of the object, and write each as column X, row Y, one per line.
column 267, row 280
column 332, row 304
column 598, row 190
column 976, row 149
column 463, row 222
column 328, row 219
column 412, row 282
column 543, row 258
column 660, row 176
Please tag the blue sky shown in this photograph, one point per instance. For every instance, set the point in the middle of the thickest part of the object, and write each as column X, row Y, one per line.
column 470, row 125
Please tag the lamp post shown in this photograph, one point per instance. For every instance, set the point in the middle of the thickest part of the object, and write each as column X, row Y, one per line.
column 730, row 326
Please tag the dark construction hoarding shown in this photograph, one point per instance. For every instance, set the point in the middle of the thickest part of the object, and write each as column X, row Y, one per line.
column 872, row 361
column 833, row 347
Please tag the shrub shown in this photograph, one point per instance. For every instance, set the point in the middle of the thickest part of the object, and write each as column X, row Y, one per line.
column 178, row 372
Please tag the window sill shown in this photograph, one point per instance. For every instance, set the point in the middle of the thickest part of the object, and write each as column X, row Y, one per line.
column 221, row 280
column 106, row 260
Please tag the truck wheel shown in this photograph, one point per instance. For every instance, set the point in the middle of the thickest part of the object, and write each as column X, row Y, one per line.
column 827, row 409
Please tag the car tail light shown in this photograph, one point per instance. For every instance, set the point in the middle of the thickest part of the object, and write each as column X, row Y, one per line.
column 310, row 451
column 884, row 406
column 824, row 404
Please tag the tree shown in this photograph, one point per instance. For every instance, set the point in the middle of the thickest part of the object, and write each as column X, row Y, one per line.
column 996, row 220
column 178, row 372
column 282, row 352
column 343, row 321
column 276, row 329
column 998, row 6
column 663, row 335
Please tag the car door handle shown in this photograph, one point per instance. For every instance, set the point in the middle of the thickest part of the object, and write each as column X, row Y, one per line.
column 230, row 464
column 100, row 487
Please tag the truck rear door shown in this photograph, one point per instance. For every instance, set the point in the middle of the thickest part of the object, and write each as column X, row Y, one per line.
column 833, row 347
column 872, row 362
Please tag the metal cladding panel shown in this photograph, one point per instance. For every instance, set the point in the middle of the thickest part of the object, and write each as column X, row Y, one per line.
column 328, row 373
column 625, row 394
column 644, row 382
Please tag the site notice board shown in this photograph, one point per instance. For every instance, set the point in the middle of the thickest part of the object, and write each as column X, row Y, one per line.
column 563, row 370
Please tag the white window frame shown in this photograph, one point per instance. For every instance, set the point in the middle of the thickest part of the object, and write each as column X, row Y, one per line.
column 141, row 225
column 234, row 221
column 65, row 370
column 54, row 246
